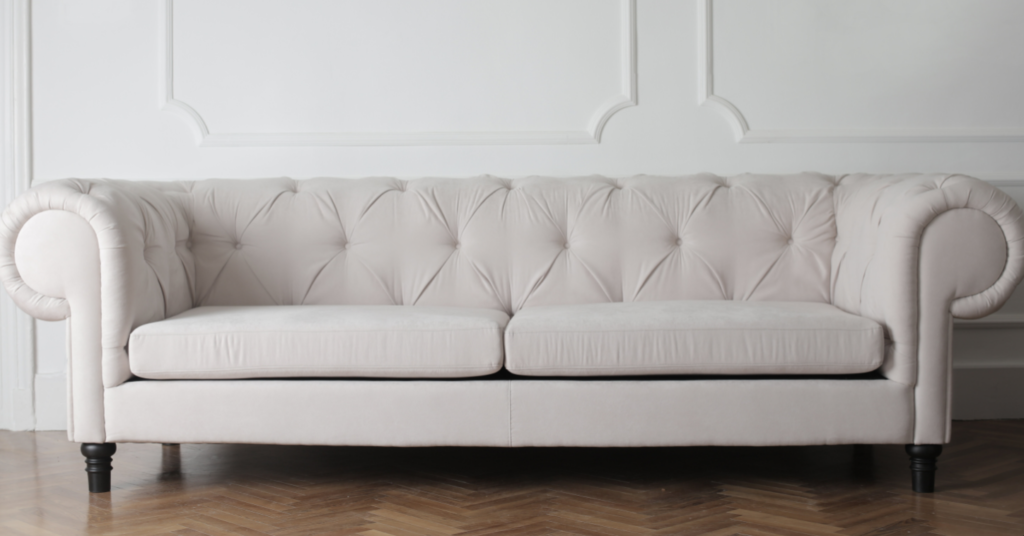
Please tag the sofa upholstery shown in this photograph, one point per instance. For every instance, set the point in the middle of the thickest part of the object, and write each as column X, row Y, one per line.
column 514, row 413
column 367, row 341
column 691, row 337
column 903, row 252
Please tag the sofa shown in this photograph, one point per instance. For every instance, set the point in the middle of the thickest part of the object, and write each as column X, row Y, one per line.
column 801, row 309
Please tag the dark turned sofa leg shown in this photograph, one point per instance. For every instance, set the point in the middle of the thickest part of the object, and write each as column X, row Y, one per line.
column 922, row 466
column 97, row 465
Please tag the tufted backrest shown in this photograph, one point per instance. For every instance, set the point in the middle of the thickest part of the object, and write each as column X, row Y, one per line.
column 510, row 244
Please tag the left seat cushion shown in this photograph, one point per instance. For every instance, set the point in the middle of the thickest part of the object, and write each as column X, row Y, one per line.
column 320, row 341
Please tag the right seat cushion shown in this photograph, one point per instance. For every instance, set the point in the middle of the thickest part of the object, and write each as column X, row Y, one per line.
column 691, row 337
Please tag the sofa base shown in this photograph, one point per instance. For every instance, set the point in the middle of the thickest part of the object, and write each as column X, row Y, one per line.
column 513, row 413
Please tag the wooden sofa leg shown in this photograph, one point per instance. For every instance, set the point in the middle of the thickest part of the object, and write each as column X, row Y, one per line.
column 97, row 464
column 922, row 466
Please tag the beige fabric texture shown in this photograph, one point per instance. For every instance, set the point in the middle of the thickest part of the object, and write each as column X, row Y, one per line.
column 320, row 341
column 880, row 270
column 958, row 242
column 854, row 241
column 411, row 413
column 627, row 413
column 513, row 413
column 691, row 337
column 43, row 250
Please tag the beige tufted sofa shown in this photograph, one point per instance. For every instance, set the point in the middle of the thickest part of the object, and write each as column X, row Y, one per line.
column 751, row 310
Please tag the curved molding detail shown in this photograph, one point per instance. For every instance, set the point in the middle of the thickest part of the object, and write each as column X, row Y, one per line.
column 745, row 134
column 205, row 138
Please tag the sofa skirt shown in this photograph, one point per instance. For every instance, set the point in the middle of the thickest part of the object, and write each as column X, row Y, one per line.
column 513, row 413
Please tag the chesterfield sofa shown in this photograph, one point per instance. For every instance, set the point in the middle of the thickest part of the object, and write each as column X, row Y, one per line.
column 649, row 311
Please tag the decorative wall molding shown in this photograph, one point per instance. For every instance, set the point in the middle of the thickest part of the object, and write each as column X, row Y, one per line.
column 745, row 134
column 205, row 138
column 17, row 329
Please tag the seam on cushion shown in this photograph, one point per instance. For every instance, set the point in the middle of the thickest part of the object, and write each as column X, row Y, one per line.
column 376, row 277
column 677, row 330
column 589, row 367
column 392, row 330
column 322, row 369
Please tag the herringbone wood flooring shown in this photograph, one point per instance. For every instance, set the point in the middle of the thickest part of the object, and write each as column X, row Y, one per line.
column 278, row 490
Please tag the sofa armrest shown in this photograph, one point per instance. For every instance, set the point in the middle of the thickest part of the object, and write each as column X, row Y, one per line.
column 914, row 251
column 109, row 255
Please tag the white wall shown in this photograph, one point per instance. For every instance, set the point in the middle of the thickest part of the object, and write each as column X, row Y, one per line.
column 229, row 88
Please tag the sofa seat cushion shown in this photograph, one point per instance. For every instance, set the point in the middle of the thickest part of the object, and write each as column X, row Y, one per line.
column 691, row 337
column 381, row 341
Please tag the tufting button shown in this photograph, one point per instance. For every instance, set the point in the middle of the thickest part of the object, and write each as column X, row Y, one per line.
column 679, row 241
column 565, row 245
column 458, row 245
column 238, row 245
column 790, row 241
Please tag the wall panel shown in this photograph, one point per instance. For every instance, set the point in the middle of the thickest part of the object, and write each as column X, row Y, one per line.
column 872, row 70
column 17, row 366
column 395, row 72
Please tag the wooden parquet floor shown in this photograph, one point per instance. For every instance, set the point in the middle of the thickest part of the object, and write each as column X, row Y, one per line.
column 292, row 491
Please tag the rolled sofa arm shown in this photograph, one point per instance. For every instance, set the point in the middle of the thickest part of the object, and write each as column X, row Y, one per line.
column 912, row 252
column 111, row 255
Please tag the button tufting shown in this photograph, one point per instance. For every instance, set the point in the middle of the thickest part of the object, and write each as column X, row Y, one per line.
column 648, row 225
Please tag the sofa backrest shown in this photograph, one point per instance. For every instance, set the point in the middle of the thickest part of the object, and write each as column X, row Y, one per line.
column 509, row 244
